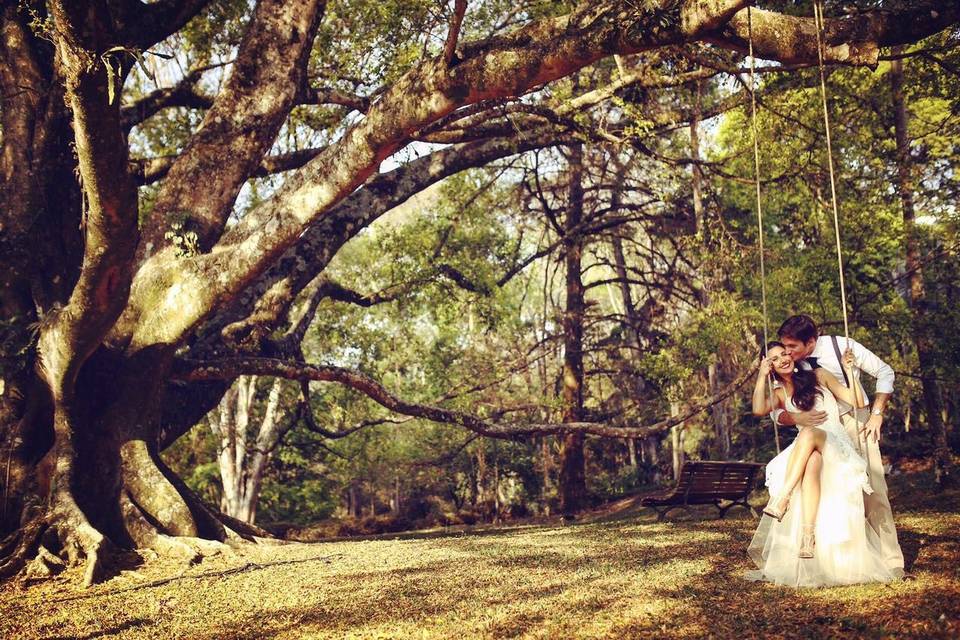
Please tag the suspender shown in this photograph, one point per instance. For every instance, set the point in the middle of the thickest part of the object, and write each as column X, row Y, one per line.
column 836, row 349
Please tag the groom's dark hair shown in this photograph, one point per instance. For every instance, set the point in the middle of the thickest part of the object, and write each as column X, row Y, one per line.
column 801, row 327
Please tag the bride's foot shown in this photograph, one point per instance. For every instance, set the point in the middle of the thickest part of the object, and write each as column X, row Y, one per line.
column 807, row 541
column 777, row 507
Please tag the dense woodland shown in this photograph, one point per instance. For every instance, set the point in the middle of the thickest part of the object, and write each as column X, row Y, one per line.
column 408, row 262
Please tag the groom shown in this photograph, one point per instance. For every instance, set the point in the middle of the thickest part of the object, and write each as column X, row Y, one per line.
column 802, row 340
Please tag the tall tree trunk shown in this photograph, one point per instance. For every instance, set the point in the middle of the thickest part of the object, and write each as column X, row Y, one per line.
column 395, row 501
column 629, row 309
column 546, row 461
column 717, row 411
column 695, row 168
column 676, row 440
column 943, row 464
column 652, row 456
column 573, row 486
column 244, row 456
column 40, row 246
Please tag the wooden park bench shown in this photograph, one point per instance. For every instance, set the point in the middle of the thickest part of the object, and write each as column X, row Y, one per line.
column 722, row 484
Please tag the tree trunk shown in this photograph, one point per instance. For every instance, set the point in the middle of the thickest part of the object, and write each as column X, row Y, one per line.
column 717, row 411
column 652, row 456
column 573, row 487
column 676, row 440
column 695, row 168
column 243, row 462
column 943, row 463
column 395, row 504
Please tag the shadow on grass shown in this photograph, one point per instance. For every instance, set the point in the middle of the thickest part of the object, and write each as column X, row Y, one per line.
column 133, row 623
column 622, row 574
column 913, row 542
column 587, row 594
column 715, row 601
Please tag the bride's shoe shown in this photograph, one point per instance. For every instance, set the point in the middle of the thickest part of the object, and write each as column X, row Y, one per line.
column 772, row 510
column 807, row 541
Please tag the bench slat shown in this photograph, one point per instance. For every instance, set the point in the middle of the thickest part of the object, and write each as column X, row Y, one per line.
column 708, row 482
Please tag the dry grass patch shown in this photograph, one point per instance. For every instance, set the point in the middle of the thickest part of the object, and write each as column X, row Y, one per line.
column 627, row 578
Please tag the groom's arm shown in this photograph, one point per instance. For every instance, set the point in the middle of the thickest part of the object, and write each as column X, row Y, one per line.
column 870, row 363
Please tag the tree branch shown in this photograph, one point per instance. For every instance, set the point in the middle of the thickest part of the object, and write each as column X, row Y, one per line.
column 150, row 170
column 241, row 124
column 233, row 367
column 851, row 39
column 183, row 94
column 450, row 46
column 265, row 302
column 143, row 25
column 329, row 95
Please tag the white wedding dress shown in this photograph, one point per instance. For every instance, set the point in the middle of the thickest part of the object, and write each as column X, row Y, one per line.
column 847, row 549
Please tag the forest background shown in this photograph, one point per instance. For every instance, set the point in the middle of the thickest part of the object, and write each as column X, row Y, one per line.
column 460, row 295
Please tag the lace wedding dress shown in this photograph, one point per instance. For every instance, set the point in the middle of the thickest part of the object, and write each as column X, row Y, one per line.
column 847, row 549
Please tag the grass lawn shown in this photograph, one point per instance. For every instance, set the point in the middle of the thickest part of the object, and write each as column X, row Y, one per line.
column 624, row 577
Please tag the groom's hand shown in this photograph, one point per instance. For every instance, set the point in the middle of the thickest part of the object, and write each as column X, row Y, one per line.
column 872, row 427
column 809, row 418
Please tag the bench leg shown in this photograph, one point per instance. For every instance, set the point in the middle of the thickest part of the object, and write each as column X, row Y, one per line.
column 737, row 503
column 663, row 511
column 723, row 510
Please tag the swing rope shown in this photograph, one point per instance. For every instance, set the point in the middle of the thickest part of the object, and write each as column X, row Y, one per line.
column 819, row 24
column 756, row 180
column 818, row 19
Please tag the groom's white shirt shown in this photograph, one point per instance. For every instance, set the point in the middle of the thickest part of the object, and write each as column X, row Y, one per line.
column 864, row 359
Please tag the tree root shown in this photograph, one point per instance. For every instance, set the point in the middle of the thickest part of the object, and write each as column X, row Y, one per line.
column 52, row 540
column 19, row 546
column 44, row 565
column 188, row 549
column 82, row 544
column 78, row 542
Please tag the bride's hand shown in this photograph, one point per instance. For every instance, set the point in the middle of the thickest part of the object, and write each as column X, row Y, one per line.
column 766, row 366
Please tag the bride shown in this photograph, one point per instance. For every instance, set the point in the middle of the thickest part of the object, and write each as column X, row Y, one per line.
column 813, row 532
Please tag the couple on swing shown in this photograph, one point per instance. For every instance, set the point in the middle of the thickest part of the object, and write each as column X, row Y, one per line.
column 828, row 521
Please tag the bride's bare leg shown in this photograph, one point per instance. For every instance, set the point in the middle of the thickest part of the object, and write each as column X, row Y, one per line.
column 810, row 488
column 810, row 495
column 809, row 439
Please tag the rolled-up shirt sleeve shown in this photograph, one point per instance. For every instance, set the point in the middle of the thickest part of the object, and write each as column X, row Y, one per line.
column 868, row 361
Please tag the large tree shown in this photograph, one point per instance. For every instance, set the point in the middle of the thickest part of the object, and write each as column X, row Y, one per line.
column 120, row 330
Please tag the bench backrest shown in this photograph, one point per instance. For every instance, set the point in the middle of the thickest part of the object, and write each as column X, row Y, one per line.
column 717, row 479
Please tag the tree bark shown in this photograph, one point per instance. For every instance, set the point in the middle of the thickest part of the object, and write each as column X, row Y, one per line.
column 676, row 441
column 244, row 455
column 718, row 411
column 573, row 487
column 925, row 345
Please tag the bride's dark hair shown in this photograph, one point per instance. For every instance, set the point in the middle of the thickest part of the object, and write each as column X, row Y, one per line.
column 805, row 389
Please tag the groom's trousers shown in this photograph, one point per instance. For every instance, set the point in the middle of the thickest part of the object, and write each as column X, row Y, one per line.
column 877, row 505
